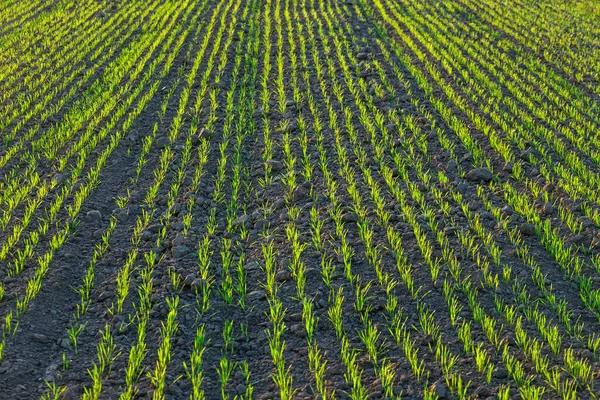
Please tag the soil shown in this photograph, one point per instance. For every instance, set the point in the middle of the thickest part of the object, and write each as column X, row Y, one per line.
column 40, row 351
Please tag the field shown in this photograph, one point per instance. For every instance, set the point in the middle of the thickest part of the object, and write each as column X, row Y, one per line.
column 299, row 199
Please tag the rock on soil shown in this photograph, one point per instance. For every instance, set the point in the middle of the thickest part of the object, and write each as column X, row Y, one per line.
column 180, row 251
column 527, row 229
column 94, row 216
column 479, row 175
column 439, row 388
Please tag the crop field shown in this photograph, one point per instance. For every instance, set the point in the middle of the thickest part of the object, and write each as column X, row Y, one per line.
column 299, row 199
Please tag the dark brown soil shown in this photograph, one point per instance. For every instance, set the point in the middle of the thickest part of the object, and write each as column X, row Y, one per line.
column 39, row 353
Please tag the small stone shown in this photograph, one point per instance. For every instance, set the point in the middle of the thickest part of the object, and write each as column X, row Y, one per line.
column 241, row 389
column 252, row 266
column 180, row 251
column 176, row 208
column 396, row 143
column 320, row 304
column 197, row 283
column 188, row 280
column 94, row 216
column 527, row 229
column 439, row 389
column 106, row 295
column 312, row 274
column 51, row 372
column 450, row 230
column 61, row 178
column 283, row 217
column 576, row 240
column 479, row 175
column 548, row 187
column 256, row 295
column 362, row 56
column 451, row 166
column 501, row 373
column 146, row 236
column 298, row 330
column 483, row 392
column 586, row 353
column 487, row 215
column 463, row 188
column 71, row 393
column 344, row 387
column 98, row 233
column 39, row 338
column 524, row 155
column 297, row 317
column 349, row 217
column 299, row 193
column 121, row 319
column 256, row 215
column 155, row 228
column 508, row 167
column 426, row 340
column 276, row 166
column 162, row 142
column 377, row 386
column 587, row 224
column 278, row 204
column 283, row 275
column 241, row 220
column 178, row 241
column 547, row 209
column 175, row 391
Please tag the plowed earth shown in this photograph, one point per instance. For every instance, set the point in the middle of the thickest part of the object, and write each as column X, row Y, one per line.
column 299, row 199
